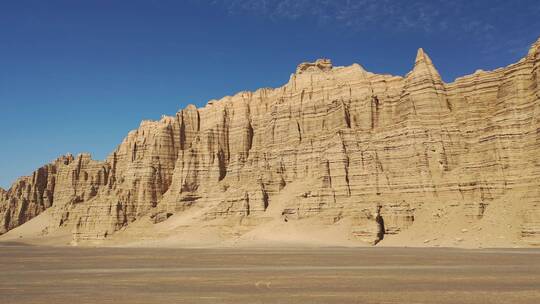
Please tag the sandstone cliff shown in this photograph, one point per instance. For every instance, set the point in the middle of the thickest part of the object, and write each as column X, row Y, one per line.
column 391, row 156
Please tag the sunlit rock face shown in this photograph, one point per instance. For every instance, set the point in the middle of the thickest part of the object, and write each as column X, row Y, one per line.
column 387, row 152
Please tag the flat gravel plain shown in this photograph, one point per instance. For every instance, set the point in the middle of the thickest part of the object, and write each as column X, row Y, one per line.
column 33, row 274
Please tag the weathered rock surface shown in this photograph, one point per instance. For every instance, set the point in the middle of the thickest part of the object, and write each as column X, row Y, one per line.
column 388, row 153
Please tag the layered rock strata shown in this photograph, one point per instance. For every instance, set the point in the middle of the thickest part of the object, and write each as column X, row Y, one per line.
column 377, row 149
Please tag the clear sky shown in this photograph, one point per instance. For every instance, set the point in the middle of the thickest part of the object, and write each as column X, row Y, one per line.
column 76, row 76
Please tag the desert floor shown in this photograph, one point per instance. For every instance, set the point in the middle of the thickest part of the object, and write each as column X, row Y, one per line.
column 37, row 274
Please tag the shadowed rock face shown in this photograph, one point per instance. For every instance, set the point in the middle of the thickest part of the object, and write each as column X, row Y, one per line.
column 378, row 149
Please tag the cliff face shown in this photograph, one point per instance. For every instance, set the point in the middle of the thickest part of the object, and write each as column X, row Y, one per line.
column 387, row 153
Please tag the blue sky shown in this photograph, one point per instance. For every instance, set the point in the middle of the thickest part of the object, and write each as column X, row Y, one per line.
column 76, row 76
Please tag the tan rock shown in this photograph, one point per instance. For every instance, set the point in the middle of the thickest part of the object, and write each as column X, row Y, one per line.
column 396, row 156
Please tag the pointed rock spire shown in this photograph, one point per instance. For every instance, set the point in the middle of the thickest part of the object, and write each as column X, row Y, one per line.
column 424, row 67
column 422, row 56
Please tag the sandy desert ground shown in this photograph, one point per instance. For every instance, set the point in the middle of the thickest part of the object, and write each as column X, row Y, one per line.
column 40, row 274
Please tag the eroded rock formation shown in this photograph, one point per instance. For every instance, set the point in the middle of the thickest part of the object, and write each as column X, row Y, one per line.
column 376, row 149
